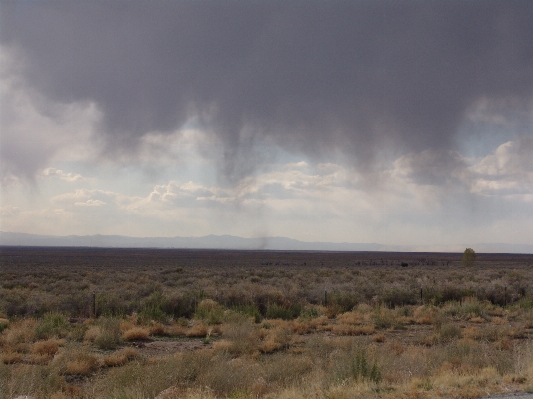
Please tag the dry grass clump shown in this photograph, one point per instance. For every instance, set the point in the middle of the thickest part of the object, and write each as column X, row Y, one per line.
column 136, row 334
column 269, row 345
column 429, row 340
column 241, row 338
column 197, row 330
column 499, row 321
column 350, row 318
column 504, row 344
column 496, row 311
column 378, row 338
column 176, row 330
column 281, row 370
column 126, row 325
column 186, row 393
column 231, row 377
column 120, row 357
column 92, row 333
column 472, row 333
column 319, row 321
column 249, row 339
column 516, row 332
column 158, row 329
column 19, row 332
column 397, row 347
column 82, row 363
column 527, row 317
column 302, row 327
column 449, row 332
column 33, row 358
column 275, row 338
column 425, row 314
column 384, row 318
column 48, row 347
column 207, row 305
column 345, row 329
column 223, row 346
column 12, row 357
column 452, row 383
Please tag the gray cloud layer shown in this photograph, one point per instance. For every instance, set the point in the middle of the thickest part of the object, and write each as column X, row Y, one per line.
column 311, row 76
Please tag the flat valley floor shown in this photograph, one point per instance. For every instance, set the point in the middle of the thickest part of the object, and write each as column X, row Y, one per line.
column 170, row 323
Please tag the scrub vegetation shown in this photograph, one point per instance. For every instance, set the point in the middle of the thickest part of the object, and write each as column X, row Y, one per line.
column 222, row 324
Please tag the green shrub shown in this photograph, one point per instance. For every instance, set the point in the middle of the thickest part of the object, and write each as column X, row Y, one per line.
column 152, row 313
column 250, row 311
column 345, row 301
column 110, row 336
column 526, row 303
column 355, row 365
column 309, row 313
column 153, row 307
column 473, row 306
column 112, row 304
column 77, row 333
column 283, row 312
column 469, row 257
column 449, row 332
column 180, row 306
column 52, row 325
column 400, row 297
column 405, row 311
column 210, row 311
column 386, row 318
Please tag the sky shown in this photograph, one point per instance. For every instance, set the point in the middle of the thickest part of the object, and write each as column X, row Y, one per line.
column 394, row 122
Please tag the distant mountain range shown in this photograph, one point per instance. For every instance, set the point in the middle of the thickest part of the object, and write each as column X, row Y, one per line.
column 233, row 242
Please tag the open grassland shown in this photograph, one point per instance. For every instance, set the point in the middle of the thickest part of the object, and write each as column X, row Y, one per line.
column 215, row 324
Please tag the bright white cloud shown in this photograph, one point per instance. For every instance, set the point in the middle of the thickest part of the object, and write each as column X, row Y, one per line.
column 69, row 177
column 508, row 171
column 90, row 202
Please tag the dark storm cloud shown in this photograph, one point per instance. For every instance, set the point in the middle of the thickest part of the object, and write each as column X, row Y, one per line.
column 313, row 76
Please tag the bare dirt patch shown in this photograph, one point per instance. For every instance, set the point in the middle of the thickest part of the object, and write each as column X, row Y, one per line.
column 161, row 348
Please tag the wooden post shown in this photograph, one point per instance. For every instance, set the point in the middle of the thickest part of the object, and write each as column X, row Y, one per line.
column 421, row 296
column 325, row 296
column 505, row 296
column 94, row 304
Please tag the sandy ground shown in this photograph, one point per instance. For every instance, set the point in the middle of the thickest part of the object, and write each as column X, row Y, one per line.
column 165, row 348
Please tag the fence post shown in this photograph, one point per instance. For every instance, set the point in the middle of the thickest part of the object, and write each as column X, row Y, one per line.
column 94, row 304
column 325, row 296
column 421, row 296
column 505, row 296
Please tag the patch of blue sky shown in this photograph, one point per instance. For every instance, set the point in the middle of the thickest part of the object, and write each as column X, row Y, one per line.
column 477, row 140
